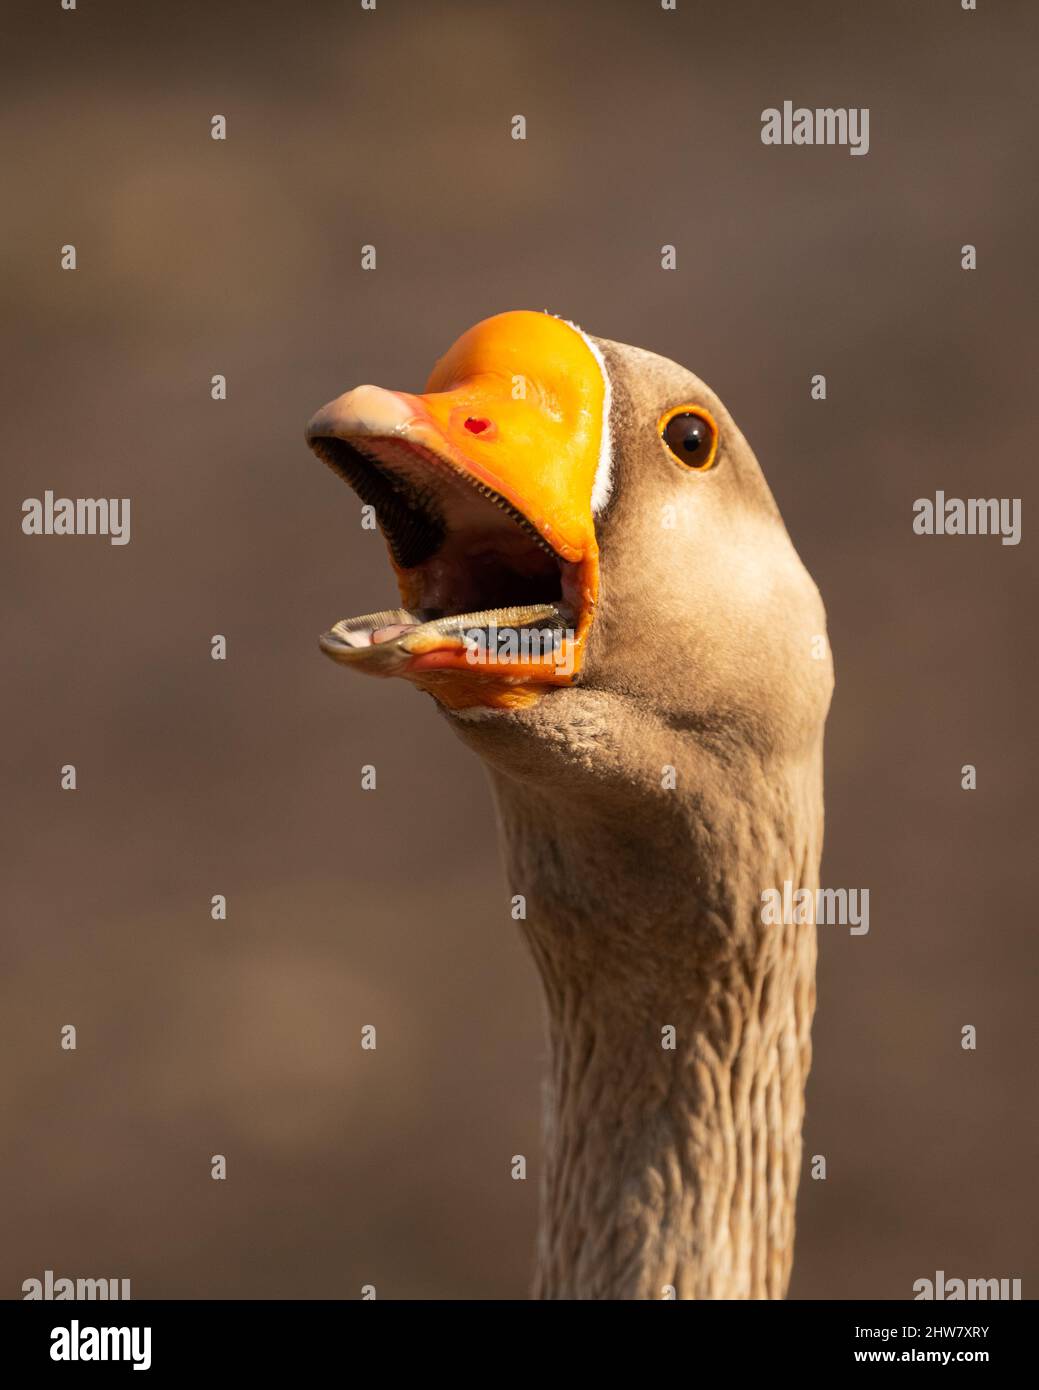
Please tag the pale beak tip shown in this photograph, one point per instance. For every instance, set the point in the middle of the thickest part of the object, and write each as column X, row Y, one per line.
column 366, row 410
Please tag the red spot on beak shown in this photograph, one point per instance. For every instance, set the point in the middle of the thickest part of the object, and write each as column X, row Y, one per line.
column 476, row 425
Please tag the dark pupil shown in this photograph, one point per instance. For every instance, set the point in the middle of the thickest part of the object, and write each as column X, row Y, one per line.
column 686, row 435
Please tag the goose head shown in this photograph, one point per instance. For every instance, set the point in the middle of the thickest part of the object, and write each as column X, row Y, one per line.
column 579, row 531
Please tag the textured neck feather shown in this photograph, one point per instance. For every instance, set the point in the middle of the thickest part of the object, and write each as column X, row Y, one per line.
column 670, row 1167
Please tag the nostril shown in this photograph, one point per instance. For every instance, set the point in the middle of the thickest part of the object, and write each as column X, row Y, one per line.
column 476, row 424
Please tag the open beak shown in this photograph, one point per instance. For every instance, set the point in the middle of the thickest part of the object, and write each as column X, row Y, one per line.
column 482, row 488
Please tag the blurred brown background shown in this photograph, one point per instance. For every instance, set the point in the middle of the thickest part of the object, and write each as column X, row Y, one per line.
column 243, row 777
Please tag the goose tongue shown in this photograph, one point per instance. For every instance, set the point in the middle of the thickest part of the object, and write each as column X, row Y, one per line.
column 384, row 643
column 387, row 634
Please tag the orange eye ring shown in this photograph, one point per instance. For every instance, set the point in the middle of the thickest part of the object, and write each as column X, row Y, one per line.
column 690, row 435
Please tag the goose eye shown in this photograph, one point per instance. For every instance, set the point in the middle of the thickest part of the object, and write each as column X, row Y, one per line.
column 692, row 437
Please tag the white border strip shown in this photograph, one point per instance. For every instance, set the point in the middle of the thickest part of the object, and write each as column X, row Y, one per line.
column 603, row 485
